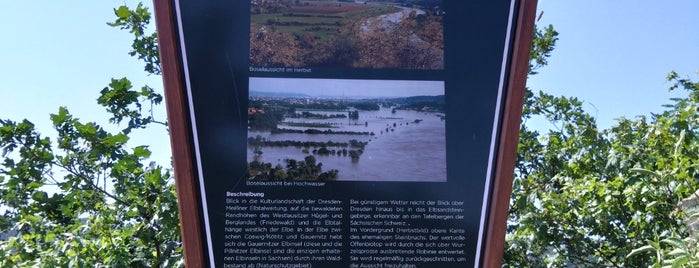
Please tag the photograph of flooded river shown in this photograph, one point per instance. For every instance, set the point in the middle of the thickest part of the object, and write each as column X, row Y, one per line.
column 395, row 128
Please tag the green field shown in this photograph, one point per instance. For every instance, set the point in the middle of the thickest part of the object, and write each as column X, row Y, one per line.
column 341, row 34
column 320, row 19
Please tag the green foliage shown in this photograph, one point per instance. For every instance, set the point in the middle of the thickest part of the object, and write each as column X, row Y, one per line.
column 581, row 196
column 602, row 198
column 104, row 207
column 145, row 45
column 543, row 43
column 122, row 102
column 671, row 252
column 84, row 198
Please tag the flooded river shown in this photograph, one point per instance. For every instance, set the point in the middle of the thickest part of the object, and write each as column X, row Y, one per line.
column 408, row 151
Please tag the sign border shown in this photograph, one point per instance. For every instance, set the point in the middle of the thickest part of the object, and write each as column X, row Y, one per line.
column 509, row 135
column 180, row 135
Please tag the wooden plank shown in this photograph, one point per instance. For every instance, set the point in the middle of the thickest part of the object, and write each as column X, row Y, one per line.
column 180, row 135
column 507, row 147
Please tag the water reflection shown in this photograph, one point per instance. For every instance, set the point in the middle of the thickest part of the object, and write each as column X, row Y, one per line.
column 406, row 145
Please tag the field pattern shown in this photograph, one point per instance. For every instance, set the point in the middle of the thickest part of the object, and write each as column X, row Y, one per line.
column 356, row 34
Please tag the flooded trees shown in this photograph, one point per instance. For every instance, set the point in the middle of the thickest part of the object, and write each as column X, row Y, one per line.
column 306, row 169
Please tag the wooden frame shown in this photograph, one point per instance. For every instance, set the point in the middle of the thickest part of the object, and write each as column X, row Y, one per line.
column 509, row 137
column 181, row 137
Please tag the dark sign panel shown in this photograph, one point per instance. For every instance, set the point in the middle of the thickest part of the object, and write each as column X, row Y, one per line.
column 330, row 133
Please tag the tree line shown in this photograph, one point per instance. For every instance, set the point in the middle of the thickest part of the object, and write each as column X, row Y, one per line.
column 306, row 169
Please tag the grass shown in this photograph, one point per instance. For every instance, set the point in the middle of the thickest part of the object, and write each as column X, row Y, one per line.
column 329, row 16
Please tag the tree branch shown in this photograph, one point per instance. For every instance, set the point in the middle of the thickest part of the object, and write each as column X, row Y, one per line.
column 92, row 184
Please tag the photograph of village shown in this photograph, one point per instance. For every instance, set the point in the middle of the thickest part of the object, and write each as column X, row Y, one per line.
column 346, row 130
column 403, row 34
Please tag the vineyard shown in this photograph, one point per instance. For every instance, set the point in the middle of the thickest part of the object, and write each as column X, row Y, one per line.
column 344, row 34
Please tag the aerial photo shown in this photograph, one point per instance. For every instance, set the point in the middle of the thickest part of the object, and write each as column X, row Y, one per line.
column 403, row 34
column 346, row 130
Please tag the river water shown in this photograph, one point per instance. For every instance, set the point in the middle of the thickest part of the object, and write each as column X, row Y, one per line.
column 407, row 152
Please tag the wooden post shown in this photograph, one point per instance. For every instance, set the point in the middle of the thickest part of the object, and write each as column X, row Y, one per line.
column 507, row 147
column 180, row 135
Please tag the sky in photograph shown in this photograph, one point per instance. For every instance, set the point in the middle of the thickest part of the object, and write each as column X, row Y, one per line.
column 350, row 88
column 613, row 55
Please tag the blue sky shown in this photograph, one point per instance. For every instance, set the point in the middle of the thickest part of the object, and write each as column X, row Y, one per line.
column 613, row 55
column 62, row 53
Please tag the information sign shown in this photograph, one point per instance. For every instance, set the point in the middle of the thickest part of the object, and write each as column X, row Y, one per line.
column 331, row 133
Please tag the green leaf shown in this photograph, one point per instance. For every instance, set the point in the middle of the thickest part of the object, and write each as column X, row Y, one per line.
column 680, row 261
column 651, row 204
column 677, row 252
column 86, row 129
column 122, row 12
column 116, row 140
column 40, row 196
column 646, row 172
column 142, row 152
column 60, row 117
column 131, row 213
column 643, row 249
column 34, row 185
column 675, row 242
